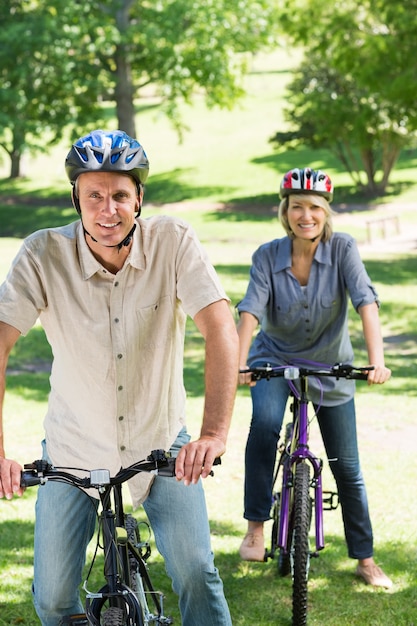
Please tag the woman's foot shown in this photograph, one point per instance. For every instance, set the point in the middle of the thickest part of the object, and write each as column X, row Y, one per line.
column 373, row 575
column 253, row 546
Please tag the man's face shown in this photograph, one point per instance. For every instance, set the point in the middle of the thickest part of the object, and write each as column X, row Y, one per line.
column 108, row 202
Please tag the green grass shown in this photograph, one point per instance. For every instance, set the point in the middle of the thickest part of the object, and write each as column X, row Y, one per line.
column 223, row 180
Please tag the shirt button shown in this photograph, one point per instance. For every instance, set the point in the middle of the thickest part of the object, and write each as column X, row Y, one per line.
column 116, row 284
column 122, row 448
column 116, row 319
column 120, row 387
column 120, row 356
column 121, row 418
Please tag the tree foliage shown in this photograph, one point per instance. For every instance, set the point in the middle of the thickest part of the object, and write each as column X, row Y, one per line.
column 60, row 59
column 354, row 92
column 43, row 89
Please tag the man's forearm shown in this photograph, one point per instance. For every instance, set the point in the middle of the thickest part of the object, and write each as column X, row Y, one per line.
column 221, row 372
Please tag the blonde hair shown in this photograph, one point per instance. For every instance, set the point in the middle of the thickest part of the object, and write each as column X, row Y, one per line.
column 314, row 199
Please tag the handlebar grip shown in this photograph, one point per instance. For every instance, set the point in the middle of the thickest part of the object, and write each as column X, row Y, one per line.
column 359, row 375
column 168, row 470
column 28, row 479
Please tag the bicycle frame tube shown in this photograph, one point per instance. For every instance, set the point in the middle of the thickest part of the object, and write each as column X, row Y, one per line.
column 119, row 524
column 124, row 554
column 301, row 453
column 110, row 548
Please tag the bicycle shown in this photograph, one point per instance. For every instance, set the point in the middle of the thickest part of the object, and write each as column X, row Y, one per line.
column 292, row 502
column 123, row 600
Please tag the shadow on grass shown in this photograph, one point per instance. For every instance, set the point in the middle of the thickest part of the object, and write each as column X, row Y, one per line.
column 257, row 594
column 170, row 188
column 399, row 271
column 16, row 556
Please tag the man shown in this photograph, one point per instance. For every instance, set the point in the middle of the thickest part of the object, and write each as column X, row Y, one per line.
column 112, row 292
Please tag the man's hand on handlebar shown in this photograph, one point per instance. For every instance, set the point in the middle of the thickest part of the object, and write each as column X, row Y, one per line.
column 10, row 472
column 196, row 459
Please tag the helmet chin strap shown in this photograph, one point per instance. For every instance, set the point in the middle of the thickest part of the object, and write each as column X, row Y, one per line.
column 126, row 241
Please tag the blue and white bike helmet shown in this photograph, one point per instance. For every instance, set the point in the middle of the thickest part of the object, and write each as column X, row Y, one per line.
column 107, row 151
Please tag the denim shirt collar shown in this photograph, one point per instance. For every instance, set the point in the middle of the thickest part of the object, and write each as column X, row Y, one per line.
column 283, row 256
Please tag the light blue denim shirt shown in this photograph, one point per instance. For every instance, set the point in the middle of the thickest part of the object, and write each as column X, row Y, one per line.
column 308, row 323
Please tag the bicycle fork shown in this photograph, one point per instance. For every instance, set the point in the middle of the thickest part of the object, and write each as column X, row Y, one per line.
column 300, row 453
column 288, row 483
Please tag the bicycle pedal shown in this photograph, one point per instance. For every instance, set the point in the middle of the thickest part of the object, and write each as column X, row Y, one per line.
column 330, row 500
column 314, row 555
column 80, row 619
column 268, row 555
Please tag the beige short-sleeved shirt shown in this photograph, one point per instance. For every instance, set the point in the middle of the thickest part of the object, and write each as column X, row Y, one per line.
column 117, row 375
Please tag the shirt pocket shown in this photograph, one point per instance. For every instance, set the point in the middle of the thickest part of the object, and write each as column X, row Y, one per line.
column 329, row 302
column 331, row 305
column 286, row 315
column 155, row 323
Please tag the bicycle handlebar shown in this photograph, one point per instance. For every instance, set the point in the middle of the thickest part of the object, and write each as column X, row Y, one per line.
column 158, row 462
column 290, row 372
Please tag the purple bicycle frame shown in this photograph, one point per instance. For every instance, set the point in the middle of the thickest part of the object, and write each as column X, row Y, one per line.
column 301, row 453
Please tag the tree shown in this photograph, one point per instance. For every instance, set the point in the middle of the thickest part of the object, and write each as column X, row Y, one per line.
column 178, row 46
column 83, row 52
column 42, row 89
column 353, row 94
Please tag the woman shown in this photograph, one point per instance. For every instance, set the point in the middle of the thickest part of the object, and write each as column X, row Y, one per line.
column 298, row 292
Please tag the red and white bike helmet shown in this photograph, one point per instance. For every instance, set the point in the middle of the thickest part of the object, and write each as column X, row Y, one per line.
column 306, row 181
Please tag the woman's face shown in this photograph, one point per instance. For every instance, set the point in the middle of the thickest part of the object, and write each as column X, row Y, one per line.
column 306, row 218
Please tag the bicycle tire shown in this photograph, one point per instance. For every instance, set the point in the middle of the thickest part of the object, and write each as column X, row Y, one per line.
column 132, row 530
column 115, row 611
column 301, row 547
column 133, row 536
column 113, row 616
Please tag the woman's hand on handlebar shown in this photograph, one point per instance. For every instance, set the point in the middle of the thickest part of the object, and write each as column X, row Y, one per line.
column 245, row 378
column 378, row 375
column 10, row 473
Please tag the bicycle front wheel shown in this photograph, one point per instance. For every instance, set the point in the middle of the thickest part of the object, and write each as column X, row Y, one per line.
column 113, row 616
column 114, row 609
column 301, row 546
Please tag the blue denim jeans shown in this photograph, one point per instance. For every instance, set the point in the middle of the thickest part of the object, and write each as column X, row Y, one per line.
column 65, row 523
column 338, row 430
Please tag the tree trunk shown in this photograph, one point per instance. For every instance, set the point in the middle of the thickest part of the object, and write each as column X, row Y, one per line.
column 15, row 159
column 16, row 153
column 124, row 91
column 124, row 95
column 368, row 161
column 390, row 155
